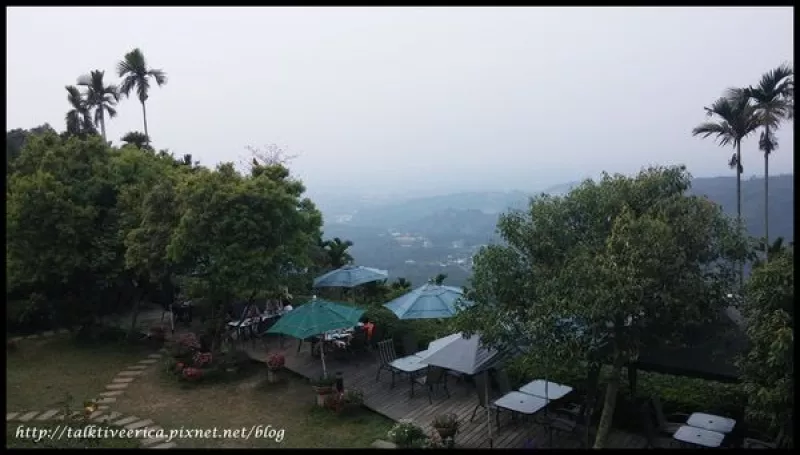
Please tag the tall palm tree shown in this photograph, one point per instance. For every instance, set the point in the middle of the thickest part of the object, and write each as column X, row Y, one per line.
column 135, row 73
column 79, row 120
column 737, row 120
column 100, row 97
column 337, row 252
column 773, row 101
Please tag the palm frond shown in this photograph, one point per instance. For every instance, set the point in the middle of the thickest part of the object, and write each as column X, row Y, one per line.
column 159, row 75
column 127, row 85
column 111, row 111
column 142, row 88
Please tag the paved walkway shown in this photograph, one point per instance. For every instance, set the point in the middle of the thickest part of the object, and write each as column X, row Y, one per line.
column 104, row 400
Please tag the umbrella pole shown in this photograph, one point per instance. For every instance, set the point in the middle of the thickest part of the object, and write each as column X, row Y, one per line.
column 547, row 404
column 488, row 409
column 322, row 355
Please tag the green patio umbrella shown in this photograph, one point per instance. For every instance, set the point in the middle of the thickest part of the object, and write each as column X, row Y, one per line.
column 317, row 317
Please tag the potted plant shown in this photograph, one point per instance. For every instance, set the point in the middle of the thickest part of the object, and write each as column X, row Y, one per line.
column 274, row 364
column 446, row 425
column 406, row 434
column 322, row 387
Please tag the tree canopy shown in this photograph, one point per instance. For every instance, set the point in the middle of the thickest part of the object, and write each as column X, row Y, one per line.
column 605, row 270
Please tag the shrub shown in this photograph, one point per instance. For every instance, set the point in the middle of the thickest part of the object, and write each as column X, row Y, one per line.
column 406, row 434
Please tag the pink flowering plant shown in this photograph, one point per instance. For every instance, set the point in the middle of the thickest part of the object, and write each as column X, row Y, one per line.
column 276, row 362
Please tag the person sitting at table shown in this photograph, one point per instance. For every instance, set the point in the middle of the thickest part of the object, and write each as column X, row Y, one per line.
column 252, row 312
column 369, row 327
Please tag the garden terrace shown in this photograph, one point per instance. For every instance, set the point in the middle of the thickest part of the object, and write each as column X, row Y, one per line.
column 394, row 403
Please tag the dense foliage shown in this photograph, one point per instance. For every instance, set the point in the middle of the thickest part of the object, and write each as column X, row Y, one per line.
column 609, row 268
column 93, row 229
column 768, row 367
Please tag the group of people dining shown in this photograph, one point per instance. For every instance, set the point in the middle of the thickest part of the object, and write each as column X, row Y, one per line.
column 343, row 339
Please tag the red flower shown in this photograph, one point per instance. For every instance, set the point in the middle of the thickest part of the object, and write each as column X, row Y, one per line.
column 275, row 362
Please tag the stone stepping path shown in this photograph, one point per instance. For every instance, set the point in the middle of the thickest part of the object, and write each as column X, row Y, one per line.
column 103, row 415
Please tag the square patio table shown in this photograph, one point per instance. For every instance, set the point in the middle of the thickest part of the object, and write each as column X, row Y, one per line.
column 711, row 422
column 699, row 436
column 521, row 403
column 410, row 365
column 537, row 388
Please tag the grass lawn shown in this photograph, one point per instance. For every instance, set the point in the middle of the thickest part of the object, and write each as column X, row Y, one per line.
column 287, row 406
column 41, row 372
column 16, row 439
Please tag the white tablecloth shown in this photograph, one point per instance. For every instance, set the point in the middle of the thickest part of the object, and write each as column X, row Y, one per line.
column 537, row 388
column 409, row 364
column 711, row 422
column 521, row 402
column 699, row 436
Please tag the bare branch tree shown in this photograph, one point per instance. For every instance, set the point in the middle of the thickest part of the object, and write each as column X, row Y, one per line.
column 267, row 155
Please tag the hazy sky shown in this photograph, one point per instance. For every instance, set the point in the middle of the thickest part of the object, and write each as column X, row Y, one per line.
column 418, row 99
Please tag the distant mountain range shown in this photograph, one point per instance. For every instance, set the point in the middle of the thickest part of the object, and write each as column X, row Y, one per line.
column 417, row 238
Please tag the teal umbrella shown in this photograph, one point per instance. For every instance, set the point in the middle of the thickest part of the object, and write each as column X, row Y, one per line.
column 317, row 317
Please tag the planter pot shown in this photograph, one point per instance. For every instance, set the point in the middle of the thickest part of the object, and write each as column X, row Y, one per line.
column 446, row 432
column 323, row 390
column 272, row 376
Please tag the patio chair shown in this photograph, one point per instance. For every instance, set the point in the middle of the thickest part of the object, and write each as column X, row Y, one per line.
column 386, row 355
column 503, row 384
column 410, row 344
column 434, row 376
column 667, row 425
column 755, row 440
column 654, row 439
column 358, row 344
column 483, row 399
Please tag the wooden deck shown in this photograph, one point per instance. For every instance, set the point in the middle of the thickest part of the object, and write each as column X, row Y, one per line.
column 396, row 403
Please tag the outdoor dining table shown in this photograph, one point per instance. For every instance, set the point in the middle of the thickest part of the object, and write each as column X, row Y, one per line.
column 522, row 403
column 553, row 390
column 410, row 365
column 699, row 436
column 711, row 422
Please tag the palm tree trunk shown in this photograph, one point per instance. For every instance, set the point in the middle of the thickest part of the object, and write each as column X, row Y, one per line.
column 739, row 203
column 144, row 115
column 766, row 194
column 103, row 126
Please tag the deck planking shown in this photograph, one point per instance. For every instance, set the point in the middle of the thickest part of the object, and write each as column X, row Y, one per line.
column 396, row 403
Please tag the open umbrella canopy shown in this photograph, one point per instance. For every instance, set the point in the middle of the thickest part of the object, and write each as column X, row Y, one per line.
column 429, row 301
column 350, row 276
column 316, row 317
column 464, row 355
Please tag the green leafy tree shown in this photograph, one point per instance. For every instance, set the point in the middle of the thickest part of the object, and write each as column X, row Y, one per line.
column 439, row 279
column 773, row 103
column 338, row 256
column 100, row 98
column 737, row 120
column 136, row 139
column 79, row 119
column 15, row 141
column 146, row 184
column 401, row 284
column 136, row 75
column 768, row 367
column 600, row 273
column 62, row 226
column 236, row 234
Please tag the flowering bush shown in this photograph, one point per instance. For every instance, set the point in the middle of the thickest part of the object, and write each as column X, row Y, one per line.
column 406, row 434
column 189, row 340
column 202, row 359
column 192, row 374
column 276, row 362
